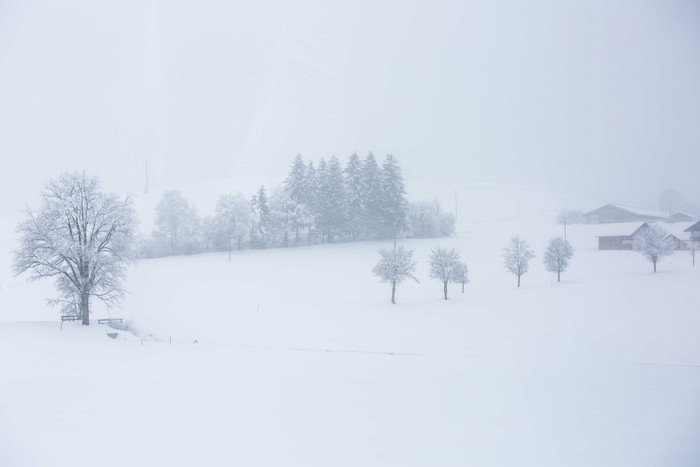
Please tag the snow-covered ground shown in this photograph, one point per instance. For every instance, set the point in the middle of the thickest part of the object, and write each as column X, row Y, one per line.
column 301, row 360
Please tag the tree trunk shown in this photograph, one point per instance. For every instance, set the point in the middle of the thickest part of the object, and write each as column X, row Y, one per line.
column 518, row 280
column 444, row 289
column 462, row 287
column 85, row 307
column 654, row 266
column 229, row 246
column 558, row 276
column 393, row 292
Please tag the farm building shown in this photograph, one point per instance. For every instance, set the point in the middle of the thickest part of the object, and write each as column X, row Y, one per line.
column 694, row 231
column 677, row 243
column 619, row 236
column 677, row 234
column 681, row 217
column 611, row 213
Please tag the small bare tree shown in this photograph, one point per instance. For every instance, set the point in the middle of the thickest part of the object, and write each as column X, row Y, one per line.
column 176, row 223
column 394, row 267
column 233, row 217
column 446, row 266
column 517, row 257
column 653, row 243
column 557, row 256
column 461, row 275
column 82, row 238
column 692, row 247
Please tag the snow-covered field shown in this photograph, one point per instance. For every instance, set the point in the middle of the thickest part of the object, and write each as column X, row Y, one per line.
column 301, row 360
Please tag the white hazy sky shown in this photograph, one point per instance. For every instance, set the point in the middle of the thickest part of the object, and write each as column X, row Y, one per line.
column 594, row 98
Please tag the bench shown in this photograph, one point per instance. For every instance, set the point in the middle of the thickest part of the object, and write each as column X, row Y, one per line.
column 114, row 323
column 110, row 320
column 69, row 318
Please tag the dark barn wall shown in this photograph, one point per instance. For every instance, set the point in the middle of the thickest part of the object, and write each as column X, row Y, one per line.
column 677, row 244
column 610, row 214
column 615, row 243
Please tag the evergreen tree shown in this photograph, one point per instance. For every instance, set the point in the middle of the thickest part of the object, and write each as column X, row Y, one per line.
column 371, row 196
column 331, row 200
column 353, row 200
column 295, row 183
column 393, row 198
column 296, row 188
column 260, row 225
column 310, row 198
column 319, row 206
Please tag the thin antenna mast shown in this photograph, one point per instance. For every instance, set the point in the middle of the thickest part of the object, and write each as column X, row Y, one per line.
column 146, row 187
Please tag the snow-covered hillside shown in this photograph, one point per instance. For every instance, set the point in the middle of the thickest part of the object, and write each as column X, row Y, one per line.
column 301, row 360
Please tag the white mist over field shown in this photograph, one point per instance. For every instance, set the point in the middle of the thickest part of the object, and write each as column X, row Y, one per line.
column 501, row 116
column 593, row 99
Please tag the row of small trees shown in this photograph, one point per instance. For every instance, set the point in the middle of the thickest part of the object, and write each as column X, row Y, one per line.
column 397, row 265
column 517, row 256
column 316, row 204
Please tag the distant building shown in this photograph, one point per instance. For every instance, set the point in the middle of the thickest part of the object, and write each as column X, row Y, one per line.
column 681, row 217
column 620, row 235
column 612, row 213
column 694, row 231
column 677, row 243
column 677, row 234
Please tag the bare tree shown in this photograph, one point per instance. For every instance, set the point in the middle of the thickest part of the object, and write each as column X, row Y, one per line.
column 394, row 267
column 81, row 237
column 557, row 256
column 177, row 222
column 461, row 274
column 233, row 217
column 445, row 265
column 653, row 244
column 692, row 247
column 517, row 257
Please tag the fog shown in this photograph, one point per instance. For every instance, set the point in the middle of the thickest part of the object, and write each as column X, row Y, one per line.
column 596, row 99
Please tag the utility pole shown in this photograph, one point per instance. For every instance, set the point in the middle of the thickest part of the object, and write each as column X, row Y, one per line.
column 455, row 204
column 146, row 187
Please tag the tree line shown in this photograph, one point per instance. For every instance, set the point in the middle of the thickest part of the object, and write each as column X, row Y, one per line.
column 83, row 239
column 316, row 203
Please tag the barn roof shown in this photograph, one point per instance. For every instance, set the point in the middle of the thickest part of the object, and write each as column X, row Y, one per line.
column 677, row 229
column 637, row 211
column 618, row 229
column 682, row 214
column 694, row 227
